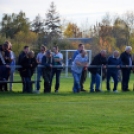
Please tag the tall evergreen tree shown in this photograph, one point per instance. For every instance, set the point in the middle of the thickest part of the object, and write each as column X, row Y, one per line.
column 52, row 23
column 38, row 24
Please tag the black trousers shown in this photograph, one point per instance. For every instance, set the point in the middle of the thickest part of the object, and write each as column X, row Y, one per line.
column 114, row 75
column 125, row 78
column 57, row 73
column 47, row 81
column 83, row 78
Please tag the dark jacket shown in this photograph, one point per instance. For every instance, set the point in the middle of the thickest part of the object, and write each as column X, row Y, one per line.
column 98, row 60
column 20, row 58
column 26, row 67
column 34, row 65
column 114, row 61
column 125, row 58
column 7, row 54
column 46, row 62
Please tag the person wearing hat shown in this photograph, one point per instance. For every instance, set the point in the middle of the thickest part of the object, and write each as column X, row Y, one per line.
column 47, row 69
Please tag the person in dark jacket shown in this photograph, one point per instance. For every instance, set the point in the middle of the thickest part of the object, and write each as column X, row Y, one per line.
column 126, row 60
column 99, row 59
column 113, row 72
column 27, row 72
column 8, row 60
column 33, row 62
column 26, row 49
column 47, row 62
column 3, row 70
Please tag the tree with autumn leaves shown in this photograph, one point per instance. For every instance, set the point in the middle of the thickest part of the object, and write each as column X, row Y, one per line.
column 110, row 33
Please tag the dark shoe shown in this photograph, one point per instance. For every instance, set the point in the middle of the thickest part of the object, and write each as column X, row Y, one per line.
column 125, row 90
column 56, row 91
column 97, row 90
column 83, row 90
column 128, row 90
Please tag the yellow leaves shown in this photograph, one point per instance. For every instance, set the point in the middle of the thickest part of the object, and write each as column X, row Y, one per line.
column 28, row 37
column 71, row 30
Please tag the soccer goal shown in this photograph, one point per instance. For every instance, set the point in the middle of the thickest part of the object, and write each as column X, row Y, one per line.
column 68, row 59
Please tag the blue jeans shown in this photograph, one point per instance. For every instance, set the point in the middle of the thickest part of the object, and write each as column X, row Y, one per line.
column 77, row 78
column 27, row 85
column 95, row 80
column 39, row 74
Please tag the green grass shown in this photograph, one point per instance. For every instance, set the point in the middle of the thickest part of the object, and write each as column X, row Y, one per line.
column 67, row 113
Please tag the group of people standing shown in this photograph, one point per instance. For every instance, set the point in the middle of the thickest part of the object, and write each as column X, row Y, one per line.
column 47, row 63
column 99, row 64
column 50, row 63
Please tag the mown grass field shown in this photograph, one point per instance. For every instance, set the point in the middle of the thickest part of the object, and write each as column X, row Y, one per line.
column 67, row 113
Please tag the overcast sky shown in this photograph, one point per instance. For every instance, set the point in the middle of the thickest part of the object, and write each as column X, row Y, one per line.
column 77, row 11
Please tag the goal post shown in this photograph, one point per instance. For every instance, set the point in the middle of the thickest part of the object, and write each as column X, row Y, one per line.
column 66, row 54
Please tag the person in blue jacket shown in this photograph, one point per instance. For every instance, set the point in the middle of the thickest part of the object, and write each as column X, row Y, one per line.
column 113, row 72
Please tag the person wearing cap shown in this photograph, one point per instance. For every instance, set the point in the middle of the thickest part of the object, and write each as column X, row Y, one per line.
column 126, row 59
column 47, row 69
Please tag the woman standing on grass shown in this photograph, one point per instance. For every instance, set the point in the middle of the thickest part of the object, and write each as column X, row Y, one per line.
column 80, row 62
column 27, row 68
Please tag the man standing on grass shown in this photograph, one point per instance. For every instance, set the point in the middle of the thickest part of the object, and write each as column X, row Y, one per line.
column 39, row 69
column 80, row 62
column 126, row 59
column 57, row 67
column 25, row 51
column 84, row 71
column 113, row 72
column 47, row 62
column 99, row 60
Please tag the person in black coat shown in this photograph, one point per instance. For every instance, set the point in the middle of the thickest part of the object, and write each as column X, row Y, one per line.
column 33, row 62
column 47, row 62
column 99, row 59
column 26, row 49
column 7, row 60
column 126, row 59
column 3, row 70
column 26, row 72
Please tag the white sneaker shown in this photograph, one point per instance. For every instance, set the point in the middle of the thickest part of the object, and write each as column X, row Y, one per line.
column 115, row 91
column 36, row 91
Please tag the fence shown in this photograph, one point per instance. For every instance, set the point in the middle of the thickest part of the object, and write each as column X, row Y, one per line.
column 34, row 78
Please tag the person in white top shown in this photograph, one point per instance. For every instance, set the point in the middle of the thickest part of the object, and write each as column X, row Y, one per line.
column 39, row 69
column 57, row 67
column 13, row 62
